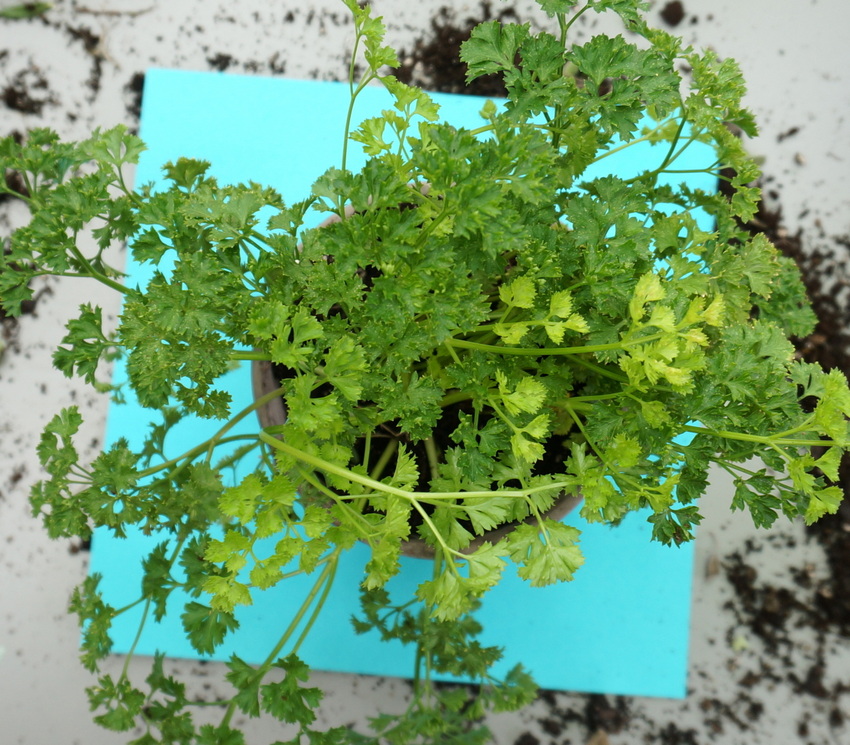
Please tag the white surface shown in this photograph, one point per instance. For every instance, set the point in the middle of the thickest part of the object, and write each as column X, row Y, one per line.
column 795, row 55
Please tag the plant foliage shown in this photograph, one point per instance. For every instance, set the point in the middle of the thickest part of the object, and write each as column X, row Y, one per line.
column 481, row 328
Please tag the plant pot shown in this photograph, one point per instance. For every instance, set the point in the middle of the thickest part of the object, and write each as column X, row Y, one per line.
column 273, row 414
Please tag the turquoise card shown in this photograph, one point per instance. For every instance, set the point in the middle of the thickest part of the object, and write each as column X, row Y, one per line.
column 621, row 627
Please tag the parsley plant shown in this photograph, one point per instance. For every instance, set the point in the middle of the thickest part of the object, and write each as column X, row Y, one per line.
column 482, row 329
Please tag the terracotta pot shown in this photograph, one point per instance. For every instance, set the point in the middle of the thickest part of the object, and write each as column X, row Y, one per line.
column 274, row 414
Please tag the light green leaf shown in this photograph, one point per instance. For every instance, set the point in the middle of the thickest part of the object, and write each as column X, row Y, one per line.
column 511, row 333
column 561, row 304
column 519, row 294
column 648, row 289
column 528, row 396
column 546, row 554
column 525, row 449
column 824, row 502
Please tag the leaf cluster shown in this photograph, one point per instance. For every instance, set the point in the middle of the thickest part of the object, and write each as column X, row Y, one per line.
column 479, row 327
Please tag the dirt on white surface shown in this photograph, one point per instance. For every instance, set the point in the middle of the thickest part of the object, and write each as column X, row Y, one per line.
column 768, row 662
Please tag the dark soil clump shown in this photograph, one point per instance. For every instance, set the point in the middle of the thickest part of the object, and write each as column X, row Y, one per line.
column 28, row 92
column 220, row 61
column 434, row 64
column 133, row 88
column 673, row 13
column 91, row 43
column 673, row 735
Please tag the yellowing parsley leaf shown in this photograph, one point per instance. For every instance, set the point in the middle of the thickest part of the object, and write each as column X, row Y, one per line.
column 241, row 501
column 528, row 396
column 663, row 318
column 823, row 502
column 648, row 289
column 511, row 333
column 714, row 314
column 546, row 555
column 525, row 449
column 519, row 294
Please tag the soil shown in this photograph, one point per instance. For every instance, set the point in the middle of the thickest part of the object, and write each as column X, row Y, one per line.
column 434, row 64
column 673, row 13
column 770, row 613
column 28, row 92
column 92, row 44
column 133, row 89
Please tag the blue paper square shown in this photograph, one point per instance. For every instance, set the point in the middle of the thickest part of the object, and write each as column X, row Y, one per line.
column 621, row 627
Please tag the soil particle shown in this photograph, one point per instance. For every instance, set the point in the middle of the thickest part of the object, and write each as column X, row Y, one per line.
column 673, row 13
column 277, row 64
column 92, row 44
column 28, row 92
column 133, row 88
column 220, row 61
column 597, row 715
column 788, row 133
column 762, row 608
column 673, row 735
column 79, row 546
column 610, row 716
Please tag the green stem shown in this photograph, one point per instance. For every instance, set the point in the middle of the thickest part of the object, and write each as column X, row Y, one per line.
column 388, row 453
column 245, row 355
column 145, row 613
column 669, row 158
column 598, row 397
column 453, row 398
column 772, row 441
column 733, row 468
column 126, row 668
column 378, row 486
column 617, row 149
column 550, row 351
column 127, row 607
column 565, row 29
column 332, row 565
column 433, row 456
column 599, row 370
column 325, row 578
column 432, row 226
column 102, row 278
column 216, row 439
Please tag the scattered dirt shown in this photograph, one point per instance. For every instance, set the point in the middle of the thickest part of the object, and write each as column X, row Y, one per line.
column 92, row 44
column 434, row 64
column 220, row 61
column 133, row 90
column 28, row 92
column 673, row 13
